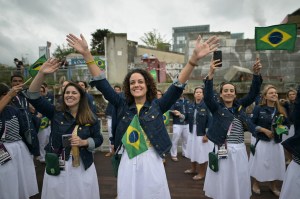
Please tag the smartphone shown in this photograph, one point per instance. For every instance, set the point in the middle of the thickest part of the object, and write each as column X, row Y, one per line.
column 66, row 140
column 218, row 55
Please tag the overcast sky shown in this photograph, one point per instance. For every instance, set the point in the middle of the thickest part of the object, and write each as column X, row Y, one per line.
column 28, row 24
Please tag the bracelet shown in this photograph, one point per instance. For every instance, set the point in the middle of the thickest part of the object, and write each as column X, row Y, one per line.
column 90, row 62
column 192, row 63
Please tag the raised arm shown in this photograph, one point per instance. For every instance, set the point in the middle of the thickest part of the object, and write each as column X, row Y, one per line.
column 255, row 86
column 81, row 46
column 50, row 66
column 209, row 98
column 9, row 95
column 201, row 50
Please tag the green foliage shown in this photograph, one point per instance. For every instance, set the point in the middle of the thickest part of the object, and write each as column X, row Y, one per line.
column 97, row 43
column 62, row 51
column 153, row 39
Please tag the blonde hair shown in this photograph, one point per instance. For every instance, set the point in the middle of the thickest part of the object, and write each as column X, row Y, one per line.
column 263, row 101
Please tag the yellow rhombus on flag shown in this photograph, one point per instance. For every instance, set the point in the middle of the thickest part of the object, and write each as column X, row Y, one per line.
column 35, row 67
column 133, row 139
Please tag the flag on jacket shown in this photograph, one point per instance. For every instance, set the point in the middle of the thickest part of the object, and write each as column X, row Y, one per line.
column 134, row 140
column 278, row 37
column 35, row 67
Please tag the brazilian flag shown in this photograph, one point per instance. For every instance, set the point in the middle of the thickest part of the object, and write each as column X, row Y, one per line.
column 35, row 67
column 278, row 37
column 166, row 117
column 44, row 123
column 134, row 140
column 100, row 63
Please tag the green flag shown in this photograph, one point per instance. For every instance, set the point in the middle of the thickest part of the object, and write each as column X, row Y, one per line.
column 35, row 67
column 100, row 63
column 44, row 123
column 166, row 117
column 134, row 140
column 278, row 37
column 153, row 73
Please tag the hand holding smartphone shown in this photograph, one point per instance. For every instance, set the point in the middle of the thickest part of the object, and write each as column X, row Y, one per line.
column 217, row 55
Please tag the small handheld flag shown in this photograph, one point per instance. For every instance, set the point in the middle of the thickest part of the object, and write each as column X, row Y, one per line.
column 35, row 67
column 278, row 37
column 134, row 140
column 166, row 117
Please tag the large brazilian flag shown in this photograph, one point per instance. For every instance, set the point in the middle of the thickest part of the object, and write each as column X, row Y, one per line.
column 278, row 37
column 134, row 140
column 35, row 67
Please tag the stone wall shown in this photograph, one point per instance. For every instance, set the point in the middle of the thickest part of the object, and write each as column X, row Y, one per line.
column 280, row 67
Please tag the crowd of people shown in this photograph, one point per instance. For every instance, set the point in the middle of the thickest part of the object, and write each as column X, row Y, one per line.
column 65, row 134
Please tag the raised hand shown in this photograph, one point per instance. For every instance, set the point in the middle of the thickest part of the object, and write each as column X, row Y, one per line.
column 204, row 48
column 257, row 66
column 79, row 44
column 50, row 66
column 213, row 65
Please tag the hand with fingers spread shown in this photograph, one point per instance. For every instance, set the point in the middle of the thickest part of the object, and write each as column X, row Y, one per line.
column 257, row 67
column 50, row 66
column 79, row 44
column 203, row 48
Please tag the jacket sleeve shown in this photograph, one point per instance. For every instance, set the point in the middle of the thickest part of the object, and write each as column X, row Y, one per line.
column 96, row 139
column 296, row 113
column 209, row 97
column 253, row 93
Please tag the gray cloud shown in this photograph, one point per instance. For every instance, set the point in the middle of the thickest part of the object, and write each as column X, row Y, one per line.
column 26, row 25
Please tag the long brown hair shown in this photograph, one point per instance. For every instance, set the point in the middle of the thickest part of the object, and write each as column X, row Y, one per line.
column 84, row 113
column 149, row 81
column 263, row 101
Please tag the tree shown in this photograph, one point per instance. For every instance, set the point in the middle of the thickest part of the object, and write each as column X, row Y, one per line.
column 98, row 41
column 62, row 52
column 153, row 39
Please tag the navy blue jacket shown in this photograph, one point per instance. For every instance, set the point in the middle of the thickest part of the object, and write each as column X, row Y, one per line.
column 203, row 118
column 181, row 105
column 7, row 114
column 21, row 103
column 293, row 143
column 150, row 115
column 63, row 123
column 223, row 117
column 263, row 117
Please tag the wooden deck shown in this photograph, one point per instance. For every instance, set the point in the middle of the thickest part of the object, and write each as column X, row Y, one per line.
column 181, row 185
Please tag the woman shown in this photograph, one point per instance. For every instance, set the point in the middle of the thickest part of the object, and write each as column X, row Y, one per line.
column 268, row 163
column 290, row 187
column 75, row 115
column 142, row 175
column 19, row 170
column 227, row 133
column 198, row 145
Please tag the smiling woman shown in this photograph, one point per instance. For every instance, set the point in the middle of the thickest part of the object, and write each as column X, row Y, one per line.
column 227, row 133
column 76, row 119
column 141, row 110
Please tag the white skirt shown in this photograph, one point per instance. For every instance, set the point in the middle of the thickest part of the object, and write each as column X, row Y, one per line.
column 233, row 178
column 291, row 133
column 291, row 184
column 142, row 177
column 268, row 163
column 43, row 136
column 17, row 176
column 198, row 151
column 74, row 182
